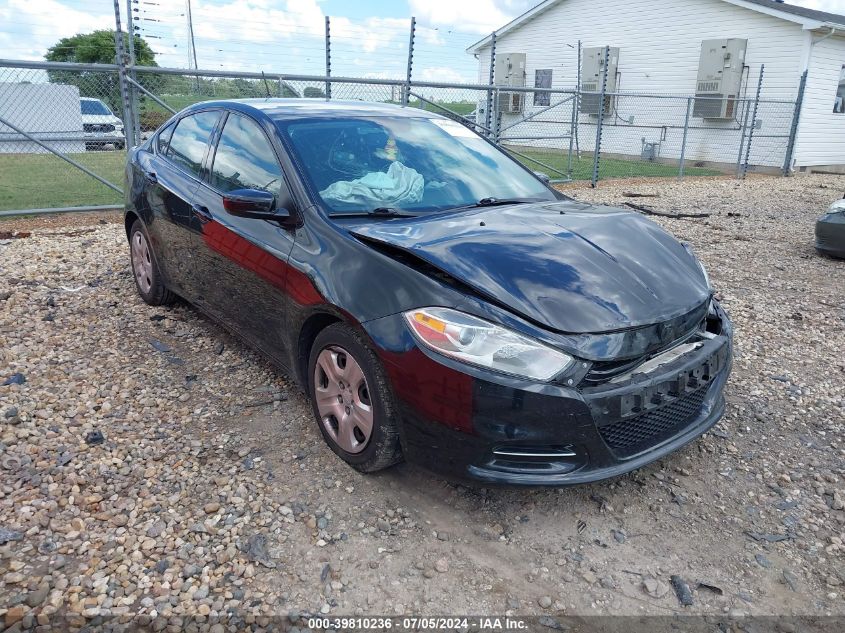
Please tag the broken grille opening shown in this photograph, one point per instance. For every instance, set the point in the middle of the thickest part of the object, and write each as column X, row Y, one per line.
column 633, row 435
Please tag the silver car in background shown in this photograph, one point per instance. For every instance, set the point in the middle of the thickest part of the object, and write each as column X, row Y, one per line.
column 101, row 126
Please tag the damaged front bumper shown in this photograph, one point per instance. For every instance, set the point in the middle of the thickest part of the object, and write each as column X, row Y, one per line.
column 472, row 424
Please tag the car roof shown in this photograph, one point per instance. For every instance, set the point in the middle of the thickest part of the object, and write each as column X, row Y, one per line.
column 278, row 109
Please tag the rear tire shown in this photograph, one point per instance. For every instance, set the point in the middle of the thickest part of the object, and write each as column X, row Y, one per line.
column 352, row 400
column 145, row 268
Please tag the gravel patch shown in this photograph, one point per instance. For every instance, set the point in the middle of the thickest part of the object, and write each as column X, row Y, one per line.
column 152, row 467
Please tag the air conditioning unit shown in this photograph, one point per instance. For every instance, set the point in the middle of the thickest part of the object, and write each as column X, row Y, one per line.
column 510, row 70
column 511, row 102
column 510, row 73
column 719, row 81
column 592, row 74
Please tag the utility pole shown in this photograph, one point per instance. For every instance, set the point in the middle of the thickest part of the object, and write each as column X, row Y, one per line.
column 192, row 49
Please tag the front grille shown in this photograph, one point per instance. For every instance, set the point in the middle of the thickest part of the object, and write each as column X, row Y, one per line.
column 97, row 127
column 628, row 437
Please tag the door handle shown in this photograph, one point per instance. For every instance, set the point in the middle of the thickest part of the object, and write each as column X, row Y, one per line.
column 202, row 213
column 151, row 177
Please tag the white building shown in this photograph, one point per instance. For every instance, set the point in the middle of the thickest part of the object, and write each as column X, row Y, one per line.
column 660, row 51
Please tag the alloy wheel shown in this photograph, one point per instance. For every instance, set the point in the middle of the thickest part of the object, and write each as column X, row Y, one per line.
column 142, row 263
column 343, row 399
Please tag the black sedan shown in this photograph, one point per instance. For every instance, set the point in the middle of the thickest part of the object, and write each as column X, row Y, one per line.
column 437, row 301
column 830, row 231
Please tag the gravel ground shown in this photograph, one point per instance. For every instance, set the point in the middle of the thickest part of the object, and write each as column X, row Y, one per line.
column 211, row 490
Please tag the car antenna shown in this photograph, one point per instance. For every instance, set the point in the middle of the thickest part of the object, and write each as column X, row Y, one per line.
column 266, row 87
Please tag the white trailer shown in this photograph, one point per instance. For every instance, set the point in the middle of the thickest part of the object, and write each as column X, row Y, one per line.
column 48, row 112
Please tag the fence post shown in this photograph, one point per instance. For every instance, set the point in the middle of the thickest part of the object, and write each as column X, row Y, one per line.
column 328, row 59
column 120, row 54
column 133, row 93
column 684, row 141
column 744, row 124
column 407, row 92
column 497, row 132
column 600, row 121
column 793, row 129
column 753, row 122
column 488, row 118
column 573, row 124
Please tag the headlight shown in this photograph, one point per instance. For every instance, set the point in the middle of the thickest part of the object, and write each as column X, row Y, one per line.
column 700, row 265
column 837, row 207
column 477, row 342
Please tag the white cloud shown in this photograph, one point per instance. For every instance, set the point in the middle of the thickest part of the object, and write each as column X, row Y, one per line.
column 478, row 16
column 443, row 74
column 371, row 34
column 256, row 21
column 38, row 24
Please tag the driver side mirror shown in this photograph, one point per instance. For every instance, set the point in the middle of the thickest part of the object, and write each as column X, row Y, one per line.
column 254, row 203
column 543, row 176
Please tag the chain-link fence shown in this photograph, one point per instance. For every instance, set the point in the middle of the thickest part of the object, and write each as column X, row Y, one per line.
column 61, row 143
column 64, row 127
column 650, row 135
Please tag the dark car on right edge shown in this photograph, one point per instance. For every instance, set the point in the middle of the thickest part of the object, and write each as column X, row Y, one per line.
column 830, row 231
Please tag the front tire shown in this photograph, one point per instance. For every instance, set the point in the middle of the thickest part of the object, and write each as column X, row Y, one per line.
column 352, row 400
column 145, row 269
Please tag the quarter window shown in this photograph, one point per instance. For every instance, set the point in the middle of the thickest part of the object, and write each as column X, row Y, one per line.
column 164, row 139
column 244, row 158
column 190, row 139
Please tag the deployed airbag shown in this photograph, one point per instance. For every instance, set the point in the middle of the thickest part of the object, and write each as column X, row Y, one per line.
column 400, row 185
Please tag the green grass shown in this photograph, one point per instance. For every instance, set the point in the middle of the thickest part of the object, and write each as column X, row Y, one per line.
column 34, row 181
column 582, row 168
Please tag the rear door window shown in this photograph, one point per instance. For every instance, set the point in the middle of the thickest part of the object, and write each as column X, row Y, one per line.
column 189, row 141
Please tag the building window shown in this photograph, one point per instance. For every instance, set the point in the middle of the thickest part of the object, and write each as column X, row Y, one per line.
column 839, row 103
column 542, row 79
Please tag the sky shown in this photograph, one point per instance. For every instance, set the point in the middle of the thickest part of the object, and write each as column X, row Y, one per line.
column 369, row 37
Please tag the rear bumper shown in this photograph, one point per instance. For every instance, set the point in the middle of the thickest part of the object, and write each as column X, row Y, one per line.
column 473, row 425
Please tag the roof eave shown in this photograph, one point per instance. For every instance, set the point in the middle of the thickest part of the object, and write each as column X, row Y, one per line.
column 807, row 24
column 836, row 26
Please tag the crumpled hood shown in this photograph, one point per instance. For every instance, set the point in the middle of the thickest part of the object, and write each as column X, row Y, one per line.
column 569, row 266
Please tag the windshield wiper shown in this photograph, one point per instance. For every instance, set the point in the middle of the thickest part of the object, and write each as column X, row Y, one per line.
column 384, row 212
column 495, row 202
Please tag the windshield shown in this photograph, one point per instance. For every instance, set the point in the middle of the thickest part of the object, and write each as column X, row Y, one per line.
column 93, row 106
column 404, row 163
